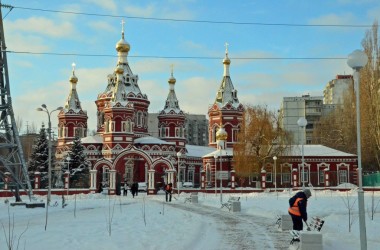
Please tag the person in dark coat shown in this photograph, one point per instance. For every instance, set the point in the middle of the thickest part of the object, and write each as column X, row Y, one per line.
column 137, row 188
column 168, row 192
column 133, row 190
column 297, row 208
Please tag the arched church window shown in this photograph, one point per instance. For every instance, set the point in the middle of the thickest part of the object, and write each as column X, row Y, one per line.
column 163, row 131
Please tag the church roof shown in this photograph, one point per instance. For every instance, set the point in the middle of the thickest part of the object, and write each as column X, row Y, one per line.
column 171, row 104
column 72, row 101
column 223, row 152
column 316, row 151
column 93, row 139
column 122, row 82
column 198, row 151
column 226, row 92
column 151, row 140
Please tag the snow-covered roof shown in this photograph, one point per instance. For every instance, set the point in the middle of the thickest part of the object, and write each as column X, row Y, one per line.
column 198, row 151
column 152, row 140
column 316, row 150
column 92, row 139
column 226, row 152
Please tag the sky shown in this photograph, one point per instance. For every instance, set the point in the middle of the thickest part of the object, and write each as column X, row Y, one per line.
column 150, row 223
column 192, row 38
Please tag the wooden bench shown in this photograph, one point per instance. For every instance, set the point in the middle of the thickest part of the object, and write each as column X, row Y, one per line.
column 188, row 198
column 316, row 224
column 228, row 204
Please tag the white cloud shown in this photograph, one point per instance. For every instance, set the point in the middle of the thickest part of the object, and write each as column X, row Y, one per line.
column 145, row 11
column 42, row 26
column 102, row 25
column 106, row 5
column 335, row 19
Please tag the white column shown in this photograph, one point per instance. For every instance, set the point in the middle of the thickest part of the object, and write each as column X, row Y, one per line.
column 112, row 180
column 93, row 180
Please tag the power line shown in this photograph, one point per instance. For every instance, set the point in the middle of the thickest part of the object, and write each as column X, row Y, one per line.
column 177, row 57
column 198, row 21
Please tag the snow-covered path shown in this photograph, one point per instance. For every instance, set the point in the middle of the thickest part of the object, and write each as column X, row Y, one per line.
column 239, row 231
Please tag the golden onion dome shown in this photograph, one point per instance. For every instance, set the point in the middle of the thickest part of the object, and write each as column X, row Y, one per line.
column 73, row 79
column 172, row 80
column 226, row 60
column 221, row 135
column 122, row 46
column 119, row 69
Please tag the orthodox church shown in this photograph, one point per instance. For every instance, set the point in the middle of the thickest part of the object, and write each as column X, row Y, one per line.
column 122, row 151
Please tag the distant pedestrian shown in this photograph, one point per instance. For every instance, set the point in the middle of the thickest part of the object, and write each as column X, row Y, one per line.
column 125, row 191
column 168, row 192
column 297, row 208
column 133, row 189
column 137, row 188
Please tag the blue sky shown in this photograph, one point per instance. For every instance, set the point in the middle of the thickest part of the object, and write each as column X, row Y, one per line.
column 37, row 78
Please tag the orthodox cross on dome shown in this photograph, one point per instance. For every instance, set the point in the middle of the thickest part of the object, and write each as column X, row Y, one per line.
column 226, row 44
column 73, row 65
column 172, row 68
column 122, row 28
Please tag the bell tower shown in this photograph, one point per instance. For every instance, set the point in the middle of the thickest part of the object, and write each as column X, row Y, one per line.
column 226, row 112
column 171, row 120
column 72, row 119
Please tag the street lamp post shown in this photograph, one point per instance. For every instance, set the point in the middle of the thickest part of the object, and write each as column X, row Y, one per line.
column 216, row 157
column 220, row 176
column 45, row 109
column 275, row 180
column 178, row 180
column 302, row 122
column 357, row 60
column 68, row 159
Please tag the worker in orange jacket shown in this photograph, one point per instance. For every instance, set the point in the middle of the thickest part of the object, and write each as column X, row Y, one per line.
column 297, row 208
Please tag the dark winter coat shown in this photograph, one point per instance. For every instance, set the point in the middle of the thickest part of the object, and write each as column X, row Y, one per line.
column 302, row 203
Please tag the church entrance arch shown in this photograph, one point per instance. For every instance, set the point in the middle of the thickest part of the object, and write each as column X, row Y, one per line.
column 132, row 166
column 163, row 173
column 102, row 179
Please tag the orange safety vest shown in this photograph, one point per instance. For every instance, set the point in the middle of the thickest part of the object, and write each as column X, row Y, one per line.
column 295, row 210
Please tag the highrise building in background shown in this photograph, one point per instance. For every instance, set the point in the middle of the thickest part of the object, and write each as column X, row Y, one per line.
column 292, row 108
column 336, row 89
column 196, row 128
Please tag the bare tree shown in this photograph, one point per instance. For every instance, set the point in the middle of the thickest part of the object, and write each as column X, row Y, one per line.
column 259, row 139
column 349, row 203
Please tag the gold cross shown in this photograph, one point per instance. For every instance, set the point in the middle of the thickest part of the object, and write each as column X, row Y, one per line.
column 226, row 44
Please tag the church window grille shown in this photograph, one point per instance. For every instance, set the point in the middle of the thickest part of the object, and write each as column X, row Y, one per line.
column 321, row 176
column 112, row 126
column 139, row 119
column 342, row 176
column 286, row 177
column 176, row 132
column 190, row 176
column 128, row 176
column 163, row 132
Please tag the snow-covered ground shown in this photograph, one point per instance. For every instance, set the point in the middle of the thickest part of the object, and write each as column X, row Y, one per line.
column 97, row 221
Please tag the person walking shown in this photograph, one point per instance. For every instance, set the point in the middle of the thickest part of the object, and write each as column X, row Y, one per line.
column 133, row 190
column 297, row 208
column 125, row 192
column 168, row 192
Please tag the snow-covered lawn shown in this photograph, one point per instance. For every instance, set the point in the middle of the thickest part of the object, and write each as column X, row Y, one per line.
column 147, row 222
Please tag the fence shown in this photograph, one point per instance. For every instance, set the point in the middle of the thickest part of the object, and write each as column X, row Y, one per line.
column 371, row 180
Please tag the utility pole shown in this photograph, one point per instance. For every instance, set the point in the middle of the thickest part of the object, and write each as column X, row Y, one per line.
column 11, row 153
